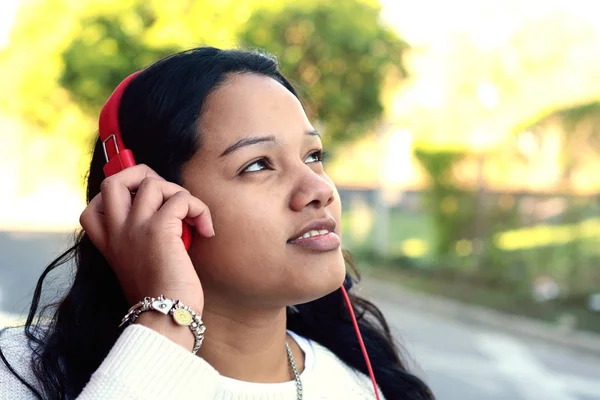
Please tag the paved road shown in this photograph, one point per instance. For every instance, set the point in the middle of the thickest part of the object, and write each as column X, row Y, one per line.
column 464, row 362
column 459, row 361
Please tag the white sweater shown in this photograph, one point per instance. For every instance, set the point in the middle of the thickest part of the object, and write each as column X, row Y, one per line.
column 145, row 365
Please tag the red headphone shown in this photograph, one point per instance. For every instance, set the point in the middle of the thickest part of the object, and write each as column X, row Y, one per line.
column 118, row 157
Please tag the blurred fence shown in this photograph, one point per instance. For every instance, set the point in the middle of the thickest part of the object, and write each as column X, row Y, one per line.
column 517, row 240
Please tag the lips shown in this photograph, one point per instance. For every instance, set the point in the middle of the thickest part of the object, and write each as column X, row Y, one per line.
column 318, row 235
column 319, row 225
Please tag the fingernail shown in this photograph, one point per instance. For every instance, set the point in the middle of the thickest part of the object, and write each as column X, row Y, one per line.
column 213, row 232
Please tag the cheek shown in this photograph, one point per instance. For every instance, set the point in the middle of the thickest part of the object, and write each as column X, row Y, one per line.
column 249, row 256
column 247, row 218
column 249, row 239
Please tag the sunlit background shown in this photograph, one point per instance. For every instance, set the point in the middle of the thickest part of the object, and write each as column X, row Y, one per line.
column 465, row 135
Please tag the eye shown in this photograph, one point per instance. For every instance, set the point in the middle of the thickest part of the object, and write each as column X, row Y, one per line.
column 315, row 156
column 257, row 165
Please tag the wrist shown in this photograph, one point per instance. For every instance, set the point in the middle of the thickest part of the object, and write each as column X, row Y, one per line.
column 178, row 316
column 167, row 327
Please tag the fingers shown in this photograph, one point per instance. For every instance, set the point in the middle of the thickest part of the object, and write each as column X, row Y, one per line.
column 152, row 193
column 152, row 196
column 183, row 205
column 116, row 194
column 93, row 223
column 113, row 208
column 116, row 201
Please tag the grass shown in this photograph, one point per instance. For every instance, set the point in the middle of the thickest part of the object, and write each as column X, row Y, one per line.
column 569, row 253
column 538, row 250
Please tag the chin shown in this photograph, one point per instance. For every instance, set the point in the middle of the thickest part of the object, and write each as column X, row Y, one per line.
column 324, row 283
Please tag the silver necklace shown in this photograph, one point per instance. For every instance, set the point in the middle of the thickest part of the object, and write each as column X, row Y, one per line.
column 295, row 370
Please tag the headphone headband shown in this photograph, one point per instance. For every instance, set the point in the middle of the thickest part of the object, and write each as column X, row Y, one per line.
column 117, row 156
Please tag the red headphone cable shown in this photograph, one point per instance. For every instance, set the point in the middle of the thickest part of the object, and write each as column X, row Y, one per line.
column 360, row 341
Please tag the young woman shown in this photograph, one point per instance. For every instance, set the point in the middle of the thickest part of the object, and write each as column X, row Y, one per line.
column 223, row 144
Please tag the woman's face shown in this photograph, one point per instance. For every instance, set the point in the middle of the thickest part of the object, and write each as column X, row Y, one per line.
column 259, row 171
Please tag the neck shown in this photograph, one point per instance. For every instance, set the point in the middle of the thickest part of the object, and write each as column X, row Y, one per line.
column 249, row 345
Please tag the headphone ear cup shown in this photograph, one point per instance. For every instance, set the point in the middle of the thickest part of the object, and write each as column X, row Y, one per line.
column 117, row 156
column 186, row 235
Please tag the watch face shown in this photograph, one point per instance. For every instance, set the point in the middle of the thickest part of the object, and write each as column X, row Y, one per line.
column 182, row 316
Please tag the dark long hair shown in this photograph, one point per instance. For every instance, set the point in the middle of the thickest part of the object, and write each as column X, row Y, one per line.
column 159, row 116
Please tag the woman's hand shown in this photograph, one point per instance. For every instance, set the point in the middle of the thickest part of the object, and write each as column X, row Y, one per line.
column 140, row 235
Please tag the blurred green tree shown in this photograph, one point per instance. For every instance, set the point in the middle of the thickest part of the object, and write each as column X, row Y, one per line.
column 449, row 206
column 120, row 39
column 338, row 54
column 338, row 50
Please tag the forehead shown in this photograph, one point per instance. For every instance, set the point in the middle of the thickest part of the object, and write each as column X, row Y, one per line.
column 250, row 105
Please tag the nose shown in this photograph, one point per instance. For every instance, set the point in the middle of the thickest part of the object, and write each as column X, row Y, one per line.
column 312, row 190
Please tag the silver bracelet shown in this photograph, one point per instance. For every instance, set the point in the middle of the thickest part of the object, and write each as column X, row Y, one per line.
column 182, row 315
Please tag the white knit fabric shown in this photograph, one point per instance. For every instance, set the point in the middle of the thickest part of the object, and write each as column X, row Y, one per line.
column 145, row 365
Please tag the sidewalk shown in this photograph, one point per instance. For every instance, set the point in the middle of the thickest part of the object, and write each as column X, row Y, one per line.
column 576, row 340
column 10, row 319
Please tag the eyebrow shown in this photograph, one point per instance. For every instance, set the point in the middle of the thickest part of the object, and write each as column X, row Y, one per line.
column 249, row 141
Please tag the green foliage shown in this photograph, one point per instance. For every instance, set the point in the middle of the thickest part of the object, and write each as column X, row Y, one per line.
column 579, row 126
column 338, row 50
column 572, row 116
column 498, row 266
column 116, row 40
column 568, row 117
column 451, row 209
column 337, row 54
column 95, row 65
